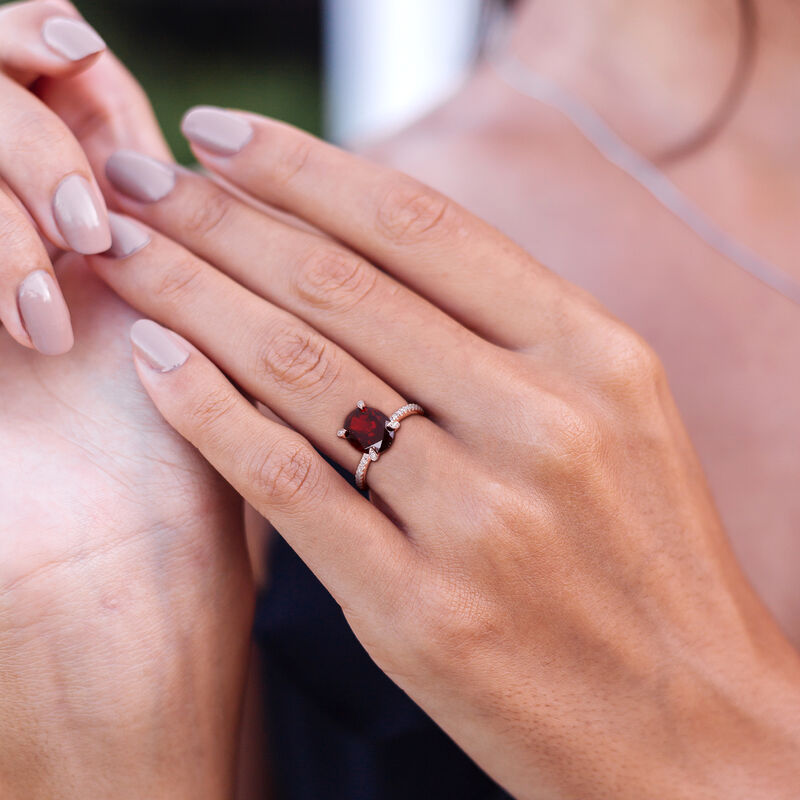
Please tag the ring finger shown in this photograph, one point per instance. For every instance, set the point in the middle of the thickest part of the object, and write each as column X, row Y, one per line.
column 303, row 377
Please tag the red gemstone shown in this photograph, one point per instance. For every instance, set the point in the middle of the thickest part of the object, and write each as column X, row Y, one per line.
column 367, row 429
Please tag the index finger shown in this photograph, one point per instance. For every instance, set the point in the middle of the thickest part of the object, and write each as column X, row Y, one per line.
column 40, row 159
column 48, row 171
column 461, row 263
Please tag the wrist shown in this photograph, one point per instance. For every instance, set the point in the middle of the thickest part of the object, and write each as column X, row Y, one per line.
column 123, row 671
column 736, row 728
column 171, row 733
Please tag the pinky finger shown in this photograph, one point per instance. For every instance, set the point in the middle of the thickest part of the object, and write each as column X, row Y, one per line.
column 32, row 307
column 351, row 547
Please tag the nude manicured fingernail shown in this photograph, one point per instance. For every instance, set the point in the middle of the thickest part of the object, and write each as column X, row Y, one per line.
column 222, row 132
column 127, row 237
column 45, row 314
column 161, row 349
column 81, row 216
column 71, row 38
column 140, row 177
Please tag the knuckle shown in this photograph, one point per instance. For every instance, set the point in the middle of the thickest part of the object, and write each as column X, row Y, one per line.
column 17, row 236
column 497, row 501
column 632, row 364
column 207, row 215
column 292, row 158
column 39, row 131
column 332, row 278
column 179, row 279
column 511, row 512
column 300, row 359
column 577, row 437
column 452, row 622
column 411, row 212
column 208, row 416
column 284, row 474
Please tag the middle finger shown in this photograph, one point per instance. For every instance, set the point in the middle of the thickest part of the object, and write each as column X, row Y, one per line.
column 308, row 381
column 393, row 331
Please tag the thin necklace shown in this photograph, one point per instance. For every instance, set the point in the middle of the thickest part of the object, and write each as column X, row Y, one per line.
column 520, row 77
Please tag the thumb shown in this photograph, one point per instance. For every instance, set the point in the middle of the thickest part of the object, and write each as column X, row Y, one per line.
column 45, row 38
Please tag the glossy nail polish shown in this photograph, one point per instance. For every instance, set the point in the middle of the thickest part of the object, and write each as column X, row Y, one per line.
column 71, row 38
column 127, row 237
column 81, row 216
column 217, row 130
column 161, row 349
column 140, row 177
column 45, row 314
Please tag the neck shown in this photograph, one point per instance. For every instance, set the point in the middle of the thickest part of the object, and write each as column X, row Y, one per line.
column 669, row 75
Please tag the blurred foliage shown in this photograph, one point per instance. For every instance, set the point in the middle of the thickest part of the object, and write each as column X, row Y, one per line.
column 253, row 54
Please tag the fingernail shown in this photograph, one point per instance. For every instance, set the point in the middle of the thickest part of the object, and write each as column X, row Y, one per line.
column 45, row 314
column 127, row 237
column 71, row 38
column 140, row 177
column 162, row 350
column 222, row 132
column 81, row 216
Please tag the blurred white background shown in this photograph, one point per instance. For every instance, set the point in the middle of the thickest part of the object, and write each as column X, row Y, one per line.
column 387, row 62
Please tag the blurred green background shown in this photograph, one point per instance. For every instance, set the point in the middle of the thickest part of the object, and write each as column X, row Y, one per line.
column 259, row 55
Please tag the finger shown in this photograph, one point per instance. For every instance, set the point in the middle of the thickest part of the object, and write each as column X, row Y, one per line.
column 350, row 546
column 106, row 109
column 47, row 170
column 45, row 37
column 32, row 307
column 307, row 380
column 459, row 262
column 385, row 325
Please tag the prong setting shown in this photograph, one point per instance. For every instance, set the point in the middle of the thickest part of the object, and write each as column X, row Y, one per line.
column 372, row 433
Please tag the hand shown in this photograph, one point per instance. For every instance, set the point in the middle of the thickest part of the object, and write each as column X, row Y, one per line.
column 543, row 569
column 106, row 666
column 61, row 94
column 125, row 591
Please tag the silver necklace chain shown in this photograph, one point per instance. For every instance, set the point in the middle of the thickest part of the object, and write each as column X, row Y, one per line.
column 520, row 77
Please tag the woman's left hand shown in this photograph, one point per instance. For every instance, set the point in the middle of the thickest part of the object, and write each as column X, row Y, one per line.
column 543, row 569
column 126, row 594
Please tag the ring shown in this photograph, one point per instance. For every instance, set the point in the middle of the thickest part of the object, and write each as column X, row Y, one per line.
column 371, row 432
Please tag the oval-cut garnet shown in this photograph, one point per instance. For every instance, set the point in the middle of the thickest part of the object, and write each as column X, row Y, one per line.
column 367, row 429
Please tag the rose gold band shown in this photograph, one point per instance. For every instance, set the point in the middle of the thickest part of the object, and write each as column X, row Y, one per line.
column 407, row 410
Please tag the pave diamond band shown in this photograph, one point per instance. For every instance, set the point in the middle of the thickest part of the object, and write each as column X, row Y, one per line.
column 372, row 432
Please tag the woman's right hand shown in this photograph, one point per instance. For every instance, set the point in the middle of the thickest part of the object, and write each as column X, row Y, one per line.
column 49, row 198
